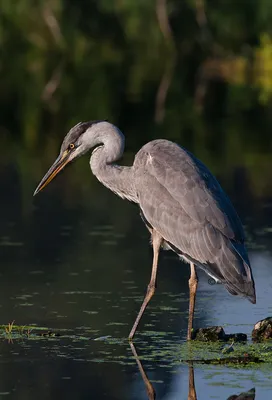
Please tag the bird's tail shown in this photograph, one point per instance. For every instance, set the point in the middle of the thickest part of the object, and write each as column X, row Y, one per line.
column 231, row 267
column 236, row 271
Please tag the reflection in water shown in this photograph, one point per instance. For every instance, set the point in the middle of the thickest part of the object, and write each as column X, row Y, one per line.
column 192, row 395
column 151, row 394
column 68, row 262
column 192, row 390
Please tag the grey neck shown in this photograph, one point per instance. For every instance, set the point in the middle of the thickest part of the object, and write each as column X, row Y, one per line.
column 119, row 179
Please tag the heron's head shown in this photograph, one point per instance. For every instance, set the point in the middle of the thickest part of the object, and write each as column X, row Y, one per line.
column 81, row 138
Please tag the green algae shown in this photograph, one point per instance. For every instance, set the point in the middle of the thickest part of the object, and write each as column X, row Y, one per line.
column 213, row 353
column 162, row 347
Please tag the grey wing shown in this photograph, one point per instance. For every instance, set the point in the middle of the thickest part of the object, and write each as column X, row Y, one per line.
column 181, row 199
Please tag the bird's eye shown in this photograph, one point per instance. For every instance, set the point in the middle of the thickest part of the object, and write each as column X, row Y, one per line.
column 71, row 146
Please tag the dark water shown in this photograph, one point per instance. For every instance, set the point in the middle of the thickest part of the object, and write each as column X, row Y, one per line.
column 77, row 259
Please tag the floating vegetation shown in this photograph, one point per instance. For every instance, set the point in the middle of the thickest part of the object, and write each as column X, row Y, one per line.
column 9, row 328
column 12, row 331
column 214, row 353
column 168, row 350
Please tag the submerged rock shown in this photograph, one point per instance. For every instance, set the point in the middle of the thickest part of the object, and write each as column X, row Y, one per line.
column 210, row 334
column 237, row 337
column 250, row 395
column 216, row 333
column 262, row 329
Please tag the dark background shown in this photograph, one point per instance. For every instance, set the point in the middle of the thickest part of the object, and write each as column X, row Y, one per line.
column 76, row 257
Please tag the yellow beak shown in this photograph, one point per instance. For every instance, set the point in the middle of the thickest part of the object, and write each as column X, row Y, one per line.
column 58, row 165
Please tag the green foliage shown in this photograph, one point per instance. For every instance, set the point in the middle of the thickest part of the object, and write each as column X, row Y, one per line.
column 154, row 68
column 62, row 61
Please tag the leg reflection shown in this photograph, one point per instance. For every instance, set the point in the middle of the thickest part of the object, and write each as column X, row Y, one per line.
column 192, row 391
column 149, row 388
column 250, row 395
column 151, row 394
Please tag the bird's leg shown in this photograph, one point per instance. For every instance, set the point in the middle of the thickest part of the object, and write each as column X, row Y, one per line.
column 156, row 243
column 193, row 281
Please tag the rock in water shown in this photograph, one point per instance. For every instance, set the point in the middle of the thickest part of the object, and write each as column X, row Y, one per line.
column 210, row 334
column 215, row 333
column 237, row 337
column 250, row 395
column 262, row 330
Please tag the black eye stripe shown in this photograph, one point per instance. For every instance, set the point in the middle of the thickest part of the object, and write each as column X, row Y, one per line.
column 74, row 134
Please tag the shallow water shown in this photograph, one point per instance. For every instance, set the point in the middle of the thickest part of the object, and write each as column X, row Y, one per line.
column 77, row 259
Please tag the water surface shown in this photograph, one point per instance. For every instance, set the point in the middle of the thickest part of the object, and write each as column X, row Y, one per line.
column 77, row 259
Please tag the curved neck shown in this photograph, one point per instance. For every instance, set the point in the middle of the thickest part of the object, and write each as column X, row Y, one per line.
column 117, row 178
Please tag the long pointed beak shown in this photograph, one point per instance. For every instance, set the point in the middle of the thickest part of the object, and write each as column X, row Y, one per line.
column 58, row 165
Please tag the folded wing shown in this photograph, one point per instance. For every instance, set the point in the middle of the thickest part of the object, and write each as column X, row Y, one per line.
column 181, row 199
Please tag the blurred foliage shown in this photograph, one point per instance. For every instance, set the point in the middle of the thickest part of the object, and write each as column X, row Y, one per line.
column 198, row 72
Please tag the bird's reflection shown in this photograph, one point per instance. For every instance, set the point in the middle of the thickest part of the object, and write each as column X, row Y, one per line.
column 151, row 393
column 192, row 390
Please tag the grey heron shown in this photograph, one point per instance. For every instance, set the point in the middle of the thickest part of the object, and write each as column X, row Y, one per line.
column 180, row 201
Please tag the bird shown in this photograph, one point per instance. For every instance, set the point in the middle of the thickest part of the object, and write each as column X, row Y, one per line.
column 180, row 201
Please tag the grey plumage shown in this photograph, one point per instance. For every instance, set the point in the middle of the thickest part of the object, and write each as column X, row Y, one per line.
column 76, row 132
column 179, row 199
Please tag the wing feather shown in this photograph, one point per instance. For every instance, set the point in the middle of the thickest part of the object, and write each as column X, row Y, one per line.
column 183, row 201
